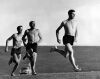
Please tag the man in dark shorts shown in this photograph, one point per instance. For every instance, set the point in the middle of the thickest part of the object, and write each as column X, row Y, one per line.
column 34, row 38
column 16, row 49
column 70, row 36
column 68, row 39
column 30, row 46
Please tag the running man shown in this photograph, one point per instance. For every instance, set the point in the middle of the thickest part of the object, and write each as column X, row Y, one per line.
column 70, row 36
column 16, row 49
column 34, row 38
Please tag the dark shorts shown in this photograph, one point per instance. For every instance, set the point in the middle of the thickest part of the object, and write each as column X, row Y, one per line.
column 32, row 46
column 68, row 39
column 16, row 51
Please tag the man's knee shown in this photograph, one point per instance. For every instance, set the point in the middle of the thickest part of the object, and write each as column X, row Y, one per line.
column 68, row 48
column 16, row 62
column 34, row 54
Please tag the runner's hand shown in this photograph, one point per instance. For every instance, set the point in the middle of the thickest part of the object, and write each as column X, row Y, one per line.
column 59, row 41
column 6, row 49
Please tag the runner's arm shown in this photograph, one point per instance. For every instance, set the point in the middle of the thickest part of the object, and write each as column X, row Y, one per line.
column 57, row 32
column 76, row 35
column 40, row 36
column 24, row 38
column 10, row 38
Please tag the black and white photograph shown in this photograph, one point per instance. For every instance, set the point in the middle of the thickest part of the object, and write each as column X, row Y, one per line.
column 50, row 39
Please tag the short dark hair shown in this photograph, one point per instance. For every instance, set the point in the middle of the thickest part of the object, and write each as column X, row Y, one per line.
column 30, row 23
column 19, row 27
column 70, row 11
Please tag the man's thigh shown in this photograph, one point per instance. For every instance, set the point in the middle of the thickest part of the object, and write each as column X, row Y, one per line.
column 17, row 58
column 68, row 47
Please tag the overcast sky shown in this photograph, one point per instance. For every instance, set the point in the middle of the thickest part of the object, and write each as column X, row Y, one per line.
column 48, row 15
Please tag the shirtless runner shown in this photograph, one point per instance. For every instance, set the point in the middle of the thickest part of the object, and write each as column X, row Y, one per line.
column 16, row 49
column 70, row 36
column 34, row 37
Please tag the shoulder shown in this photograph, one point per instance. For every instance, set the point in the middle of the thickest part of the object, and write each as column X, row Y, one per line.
column 37, row 30
column 26, row 31
column 14, row 35
column 75, row 21
column 64, row 21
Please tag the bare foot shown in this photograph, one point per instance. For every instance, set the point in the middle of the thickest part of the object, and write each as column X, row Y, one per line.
column 34, row 73
column 77, row 69
column 12, row 74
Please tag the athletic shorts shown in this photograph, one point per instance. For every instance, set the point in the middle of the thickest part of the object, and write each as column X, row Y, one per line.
column 16, row 51
column 32, row 46
column 68, row 39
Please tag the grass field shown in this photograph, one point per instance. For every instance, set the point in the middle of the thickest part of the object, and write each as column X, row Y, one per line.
column 87, row 57
column 70, row 75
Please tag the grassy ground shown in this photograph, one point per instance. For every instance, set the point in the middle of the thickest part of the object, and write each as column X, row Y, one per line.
column 71, row 75
column 87, row 57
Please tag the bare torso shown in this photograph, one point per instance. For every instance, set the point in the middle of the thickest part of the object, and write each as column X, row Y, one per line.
column 32, row 35
column 17, row 40
column 70, row 27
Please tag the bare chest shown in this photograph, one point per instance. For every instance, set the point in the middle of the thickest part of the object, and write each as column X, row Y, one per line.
column 70, row 25
column 18, row 37
column 32, row 33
